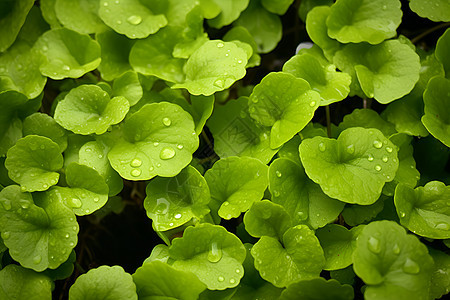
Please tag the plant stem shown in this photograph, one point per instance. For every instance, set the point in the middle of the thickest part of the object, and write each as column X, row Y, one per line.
column 327, row 112
column 427, row 32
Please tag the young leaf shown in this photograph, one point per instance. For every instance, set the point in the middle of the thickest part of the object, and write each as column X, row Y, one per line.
column 276, row 6
column 318, row 288
column 88, row 109
column 79, row 15
column 213, row 254
column 442, row 48
column 298, row 257
column 49, row 14
column 159, row 139
column 424, row 210
column 437, row 109
column 366, row 118
column 44, row 125
column 285, row 103
column 12, row 17
column 266, row 218
column 67, row 53
column 17, row 282
column 166, row 282
column 236, row 134
column 306, row 6
column 355, row 214
column 104, row 282
column 356, row 158
column 39, row 230
column 10, row 124
column 134, row 18
column 128, row 86
column 372, row 21
column 435, row 10
column 33, row 163
column 392, row 263
column 239, row 33
column 235, row 183
column 338, row 244
column 303, row 199
column 172, row 202
column 226, row 63
column 440, row 279
column 230, row 11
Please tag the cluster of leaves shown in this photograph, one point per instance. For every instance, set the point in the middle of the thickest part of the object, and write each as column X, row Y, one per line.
column 93, row 93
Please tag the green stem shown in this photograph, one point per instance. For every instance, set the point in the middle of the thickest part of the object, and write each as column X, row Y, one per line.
column 427, row 32
column 327, row 112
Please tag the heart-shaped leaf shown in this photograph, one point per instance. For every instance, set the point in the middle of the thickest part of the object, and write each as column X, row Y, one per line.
column 44, row 125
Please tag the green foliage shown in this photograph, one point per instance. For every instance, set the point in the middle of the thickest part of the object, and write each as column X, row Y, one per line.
column 270, row 167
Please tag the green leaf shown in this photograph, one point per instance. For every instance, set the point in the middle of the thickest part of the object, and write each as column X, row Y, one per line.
column 437, row 109
column 318, row 288
column 104, row 282
column 266, row 218
column 64, row 270
column 424, row 210
column 236, row 134
column 360, row 157
column 338, row 244
column 10, row 124
column 355, row 214
column 226, row 63
column 74, row 144
column 12, row 17
column 133, row 18
column 159, row 253
column 306, row 6
column 235, row 183
column 153, row 55
column 48, row 13
column 442, row 49
column 33, row 163
column 322, row 77
column 392, row 263
column 435, row 10
column 372, row 21
column 276, row 6
column 39, row 230
column 366, row 118
column 344, row 276
column 67, row 53
column 115, row 49
column 94, row 154
column 230, row 11
column 440, row 279
column 166, row 282
column 214, row 255
column 303, row 199
column 239, row 33
column 298, row 257
column 17, row 282
column 128, row 86
column 88, row 109
column 79, row 15
column 159, row 139
column 386, row 71
column 290, row 149
column 264, row 26
column 88, row 191
column 286, row 114
column 174, row 201
column 44, row 125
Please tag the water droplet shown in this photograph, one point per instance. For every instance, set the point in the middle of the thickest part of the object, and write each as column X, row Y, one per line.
column 370, row 157
column 177, row 216
column 215, row 253
column 24, row 204
column 167, row 122
column 136, row 163
column 276, row 193
column 385, row 159
column 116, row 2
column 134, row 20
column 6, row 204
column 402, row 214
column 374, row 245
column 180, row 146
column 312, row 103
column 119, row 22
column 377, row 144
column 384, row 7
column 105, row 4
column 389, row 149
column 5, row 235
column 219, row 83
column 226, row 54
column 37, row 259
column 442, row 226
column 87, row 211
column 226, row 203
column 156, row 144
column 239, row 61
column 322, row 147
column 220, row 45
column 136, row 172
column 220, row 279
column 167, row 153
column 411, row 267
column 238, row 271
column 396, row 249
column 45, row 186
column 96, row 199
column 232, row 281
column 75, row 203
column 170, row 224
column 377, row 168
column 72, row 244
column 66, row 68
column 255, row 99
column 351, row 149
column 67, row 235
column 278, row 173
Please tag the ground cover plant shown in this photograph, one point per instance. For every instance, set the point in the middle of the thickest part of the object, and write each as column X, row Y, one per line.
column 168, row 149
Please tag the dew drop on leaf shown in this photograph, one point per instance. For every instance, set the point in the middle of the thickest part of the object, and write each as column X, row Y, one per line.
column 136, row 163
column 134, row 20
column 67, row 235
column 219, row 83
column 377, row 144
column 215, row 253
column 220, row 279
column 177, row 216
column 96, row 199
column 385, row 159
column 5, row 235
column 322, row 147
column 220, row 45
column 238, row 271
column 180, row 146
column 136, row 172
column 389, row 149
column 6, row 204
column 276, row 193
column 396, row 249
column 374, row 245
column 167, row 122
column 312, row 103
column 66, row 68
column 377, row 168
column 37, row 259
column 167, row 153
column 24, row 204
column 162, row 206
column 75, row 203
column 232, row 281
column 411, row 267
column 278, row 173
column 351, row 149
column 156, row 144
column 442, row 226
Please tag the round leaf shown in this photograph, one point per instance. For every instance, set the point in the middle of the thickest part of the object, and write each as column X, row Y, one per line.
column 360, row 157
column 128, row 86
column 104, row 282
column 33, row 163
column 318, row 288
column 88, row 109
column 79, row 15
column 214, row 255
column 44, row 125
column 285, row 103
column 442, row 48
column 230, row 11
column 12, row 17
column 40, row 231
column 159, row 139
column 435, row 10
column 17, row 282
column 67, row 53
